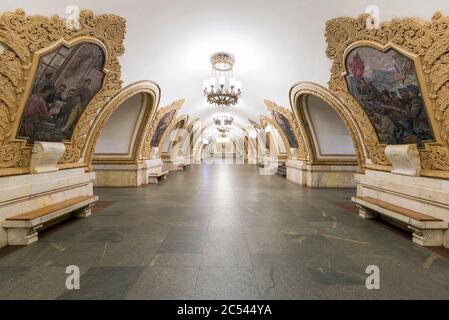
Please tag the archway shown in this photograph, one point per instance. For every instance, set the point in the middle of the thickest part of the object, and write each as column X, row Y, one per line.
column 332, row 138
column 118, row 156
column 329, row 137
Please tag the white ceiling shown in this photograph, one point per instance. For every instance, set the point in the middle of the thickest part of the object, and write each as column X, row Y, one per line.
column 276, row 43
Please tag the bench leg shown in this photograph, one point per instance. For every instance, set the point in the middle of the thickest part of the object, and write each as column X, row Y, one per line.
column 367, row 213
column 153, row 180
column 83, row 212
column 21, row 236
column 427, row 238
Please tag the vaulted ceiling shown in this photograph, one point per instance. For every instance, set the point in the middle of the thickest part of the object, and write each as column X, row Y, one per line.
column 276, row 43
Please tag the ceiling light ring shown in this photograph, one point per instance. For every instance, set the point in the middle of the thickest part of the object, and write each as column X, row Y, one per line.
column 222, row 61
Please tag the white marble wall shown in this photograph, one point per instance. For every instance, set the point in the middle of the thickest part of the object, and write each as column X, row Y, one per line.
column 23, row 193
column 325, row 176
column 126, row 175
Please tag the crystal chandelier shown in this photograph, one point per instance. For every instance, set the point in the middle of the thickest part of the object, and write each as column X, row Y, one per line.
column 223, row 122
column 223, row 129
column 223, row 119
column 222, row 89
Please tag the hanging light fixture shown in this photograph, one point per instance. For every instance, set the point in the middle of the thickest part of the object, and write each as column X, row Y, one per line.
column 222, row 89
column 223, row 119
column 223, row 122
column 223, row 129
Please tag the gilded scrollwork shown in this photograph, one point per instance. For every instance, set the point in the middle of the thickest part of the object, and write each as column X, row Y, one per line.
column 428, row 42
column 24, row 37
column 146, row 148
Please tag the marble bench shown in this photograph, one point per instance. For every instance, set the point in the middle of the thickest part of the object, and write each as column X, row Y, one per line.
column 180, row 166
column 23, row 228
column 427, row 230
column 154, row 177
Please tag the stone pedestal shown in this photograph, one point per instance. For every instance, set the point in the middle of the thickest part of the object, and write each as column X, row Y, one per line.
column 367, row 213
column 270, row 166
column 45, row 156
column 404, row 159
column 21, row 237
column 126, row 175
column 426, row 195
column 154, row 166
column 293, row 154
column 428, row 238
column 24, row 193
column 154, row 154
column 83, row 212
column 119, row 175
column 327, row 176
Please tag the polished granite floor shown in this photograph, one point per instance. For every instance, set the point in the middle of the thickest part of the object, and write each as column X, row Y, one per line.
column 223, row 232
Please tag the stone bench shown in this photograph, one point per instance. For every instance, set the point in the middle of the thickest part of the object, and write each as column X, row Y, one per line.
column 183, row 166
column 154, row 177
column 427, row 230
column 23, row 228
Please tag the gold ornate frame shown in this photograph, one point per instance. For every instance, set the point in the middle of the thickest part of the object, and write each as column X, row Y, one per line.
column 427, row 44
column 297, row 94
column 28, row 37
column 152, row 91
column 176, row 105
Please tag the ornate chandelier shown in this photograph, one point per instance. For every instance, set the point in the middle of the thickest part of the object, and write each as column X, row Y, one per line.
column 223, row 119
column 223, row 122
column 222, row 89
column 223, row 129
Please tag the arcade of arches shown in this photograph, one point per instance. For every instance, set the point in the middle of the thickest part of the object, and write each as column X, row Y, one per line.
column 335, row 157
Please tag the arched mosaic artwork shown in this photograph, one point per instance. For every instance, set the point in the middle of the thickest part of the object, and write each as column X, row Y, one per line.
column 285, row 125
column 385, row 84
column 66, row 80
column 161, row 127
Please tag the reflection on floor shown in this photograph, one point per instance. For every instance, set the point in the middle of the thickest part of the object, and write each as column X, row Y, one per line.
column 222, row 232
